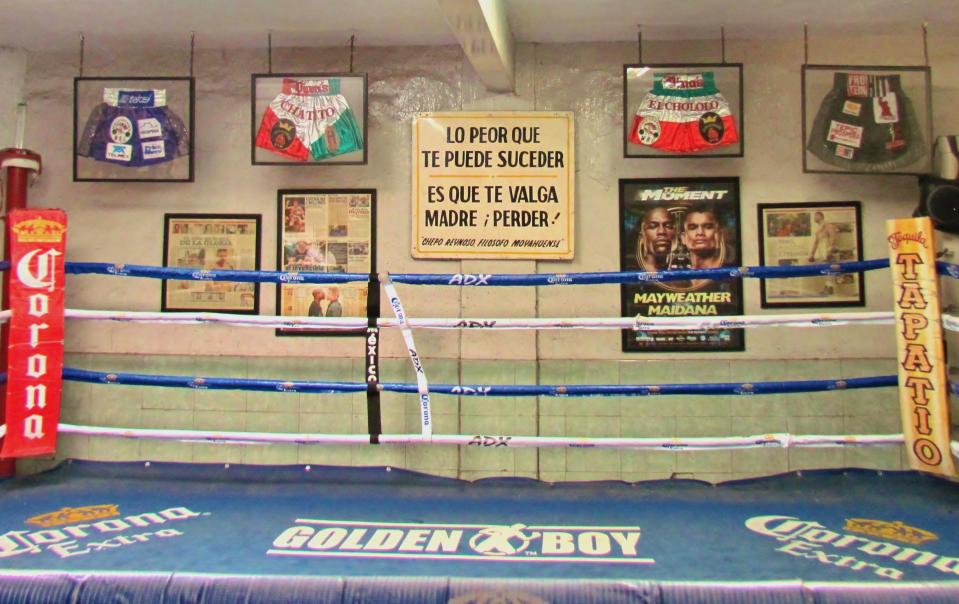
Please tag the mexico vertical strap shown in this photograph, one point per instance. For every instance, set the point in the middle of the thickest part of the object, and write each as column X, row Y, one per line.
column 372, row 355
column 422, row 385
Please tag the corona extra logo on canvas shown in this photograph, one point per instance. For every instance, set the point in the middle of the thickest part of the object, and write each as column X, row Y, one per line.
column 897, row 531
column 80, row 531
column 887, row 549
column 39, row 230
column 70, row 515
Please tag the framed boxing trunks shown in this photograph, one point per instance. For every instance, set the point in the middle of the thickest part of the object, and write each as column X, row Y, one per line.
column 133, row 129
column 867, row 119
column 308, row 119
column 673, row 110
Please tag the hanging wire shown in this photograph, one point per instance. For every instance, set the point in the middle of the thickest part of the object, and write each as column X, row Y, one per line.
column 722, row 33
column 925, row 41
column 352, row 39
column 639, row 43
column 805, row 43
column 81, row 54
column 192, row 48
column 269, row 52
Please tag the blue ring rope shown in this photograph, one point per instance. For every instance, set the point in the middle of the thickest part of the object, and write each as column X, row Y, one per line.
column 947, row 269
column 192, row 274
column 220, row 383
column 195, row 274
column 757, row 272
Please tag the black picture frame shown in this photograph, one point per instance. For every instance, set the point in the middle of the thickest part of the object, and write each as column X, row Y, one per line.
column 211, row 232
column 727, row 79
column 836, row 113
column 797, row 221
column 288, row 233
column 675, row 200
column 167, row 124
column 353, row 125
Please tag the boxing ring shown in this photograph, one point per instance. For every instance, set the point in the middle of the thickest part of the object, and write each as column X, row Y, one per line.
column 100, row 531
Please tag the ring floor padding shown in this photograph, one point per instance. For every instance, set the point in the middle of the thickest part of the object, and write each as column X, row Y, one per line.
column 97, row 531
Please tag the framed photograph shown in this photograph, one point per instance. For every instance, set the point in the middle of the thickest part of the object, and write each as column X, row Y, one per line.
column 866, row 119
column 676, row 110
column 680, row 223
column 793, row 234
column 133, row 129
column 214, row 242
column 325, row 231
column 302, row 119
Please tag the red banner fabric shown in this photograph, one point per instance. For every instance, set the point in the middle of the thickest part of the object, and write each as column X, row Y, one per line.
column 35, row 355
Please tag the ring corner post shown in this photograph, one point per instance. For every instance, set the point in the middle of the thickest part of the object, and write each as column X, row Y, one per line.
column 923, row 383
column 19, row 168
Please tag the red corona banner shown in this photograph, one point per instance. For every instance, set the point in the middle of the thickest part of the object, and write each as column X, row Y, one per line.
column 35, row 361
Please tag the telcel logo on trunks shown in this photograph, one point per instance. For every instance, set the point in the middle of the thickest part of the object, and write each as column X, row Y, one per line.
column 513, row 543
column 135, row 99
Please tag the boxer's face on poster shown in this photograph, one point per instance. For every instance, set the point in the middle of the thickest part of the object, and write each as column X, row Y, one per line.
column 658, row 231
column 700, row 232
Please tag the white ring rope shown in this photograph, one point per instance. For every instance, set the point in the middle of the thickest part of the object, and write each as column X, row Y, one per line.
column 783, row 440
column 950, row 322
column 636, row 323
column 422, row 385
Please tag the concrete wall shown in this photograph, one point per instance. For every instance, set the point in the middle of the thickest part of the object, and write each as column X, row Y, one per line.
column 13, row 67
column 122, row 222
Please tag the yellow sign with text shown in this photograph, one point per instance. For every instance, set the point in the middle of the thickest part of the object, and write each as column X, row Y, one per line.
column 923, row 387
column 493, row 185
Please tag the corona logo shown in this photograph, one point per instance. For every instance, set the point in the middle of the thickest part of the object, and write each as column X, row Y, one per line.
column 39, row 230
column 897, row 531
column 72, row 515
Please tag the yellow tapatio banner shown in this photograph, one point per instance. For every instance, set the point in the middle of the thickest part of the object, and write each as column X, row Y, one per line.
column 493, row 185
column 923, row 387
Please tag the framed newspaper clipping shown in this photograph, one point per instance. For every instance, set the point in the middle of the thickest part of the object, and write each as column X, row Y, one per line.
column 212, row 242
column 303, row 119
column 793, row 234
column 680, row 223
column 867, row 119
column 325, row 231
column 133, row 129
column 676, row 110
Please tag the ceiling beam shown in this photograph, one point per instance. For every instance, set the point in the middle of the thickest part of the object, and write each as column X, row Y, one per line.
column 482, row 28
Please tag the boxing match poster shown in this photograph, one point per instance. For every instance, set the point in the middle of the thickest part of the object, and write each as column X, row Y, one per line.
column 133, row 129
column 325, row 231
column 672, row 224
column 309, row 118
column 675, row 110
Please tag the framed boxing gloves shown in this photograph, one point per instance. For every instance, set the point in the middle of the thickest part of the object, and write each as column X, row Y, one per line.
column 866, row 120
column 794, row 234
column 133, row 129
column 683, row 110
column 307, row 119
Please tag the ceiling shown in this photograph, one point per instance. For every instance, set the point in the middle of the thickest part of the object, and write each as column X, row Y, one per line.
column 38, row 25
